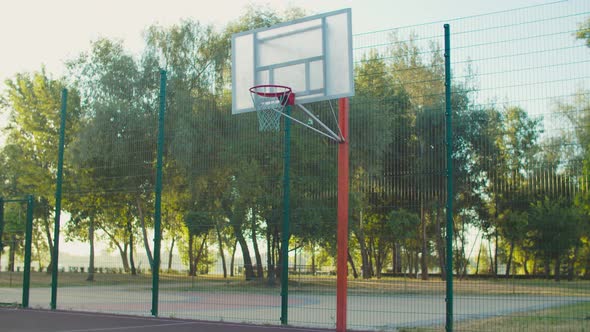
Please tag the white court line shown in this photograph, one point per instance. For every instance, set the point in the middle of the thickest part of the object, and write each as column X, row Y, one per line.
column 127, row 327
column 98, row 314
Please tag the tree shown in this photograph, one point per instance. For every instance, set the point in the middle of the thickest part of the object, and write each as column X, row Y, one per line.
column 572, row 156
column 403, row 226
column 193, row 54
column 554, row 231
column 513, row 226
column 33, row 102
column 382, row 116
column 584, row 32
column 14, row 233
column 119, row 95
column 198, row 224
column 515, row 151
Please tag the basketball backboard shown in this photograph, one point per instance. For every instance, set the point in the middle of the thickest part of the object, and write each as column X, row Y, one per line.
column 311, row 55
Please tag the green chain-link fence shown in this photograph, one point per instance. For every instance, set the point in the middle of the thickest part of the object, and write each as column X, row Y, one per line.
column 520, row 257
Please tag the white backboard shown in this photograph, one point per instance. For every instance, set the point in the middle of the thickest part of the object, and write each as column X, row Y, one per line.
column 312, row 55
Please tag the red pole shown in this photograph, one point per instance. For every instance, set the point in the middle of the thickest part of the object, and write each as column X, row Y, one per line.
column 342, row 215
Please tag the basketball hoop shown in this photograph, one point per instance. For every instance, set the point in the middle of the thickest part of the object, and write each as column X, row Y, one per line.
column 270, row 101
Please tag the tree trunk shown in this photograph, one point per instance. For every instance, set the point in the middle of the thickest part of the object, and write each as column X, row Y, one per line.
column 587, row 268
column 396, row 257
column 440, row 245
column 131, row 247
column 313, row 267
column 478, row 257
column 424, row 258
column 276, row 239
column 393, row 257
column 200, row 253
column 295, row 260
column 360, row 235
column 233, row 258
column 460, row 243
column 49, row 242
column 91, row 259
column 221, row 253
column 259, row 267
column 170, row 254
column 191, row 256
column 146, row 242
column 2, row 244
column 525, row 261
column 351, row 262
column 12, row 253
column 370, row 256
column 496, row 217
column 123, row 254
column 546, row 267
column 490, row 255
column 378, row 261
column 510, row 254
column 496, row 255
column 38, row 255
column 365, row 265
column 570, row 265
column 122, row 251
column 269, row 257
column 248, row 269
column 557, row 268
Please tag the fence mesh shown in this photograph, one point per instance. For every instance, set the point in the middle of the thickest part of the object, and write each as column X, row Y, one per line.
column 521, row 258
column 108, row 187
column 12, row 240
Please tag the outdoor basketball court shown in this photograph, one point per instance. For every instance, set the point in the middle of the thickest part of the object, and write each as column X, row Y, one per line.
column 62, row 321
column 386, row 312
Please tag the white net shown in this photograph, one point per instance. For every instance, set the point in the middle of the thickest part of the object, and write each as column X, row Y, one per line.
column 269, row 102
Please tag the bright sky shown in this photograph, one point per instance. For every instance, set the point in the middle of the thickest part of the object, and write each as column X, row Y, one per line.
column 36, row 32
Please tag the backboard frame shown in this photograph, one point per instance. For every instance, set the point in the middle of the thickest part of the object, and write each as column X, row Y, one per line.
column 320, row 68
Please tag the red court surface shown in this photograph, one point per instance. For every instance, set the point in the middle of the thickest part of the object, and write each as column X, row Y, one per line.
column 12, row 319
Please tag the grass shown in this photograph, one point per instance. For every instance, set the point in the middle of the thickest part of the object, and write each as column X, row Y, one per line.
column 475, row 287
column 43, row 279
column 322, row 284
column 573, row 317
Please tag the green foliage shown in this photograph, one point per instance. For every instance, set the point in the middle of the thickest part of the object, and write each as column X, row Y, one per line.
column 194, row 56
column 403, row 225
column 33, row 102
column 554, row 228
column 14, row 219
column 584, row 32
column 198, row 223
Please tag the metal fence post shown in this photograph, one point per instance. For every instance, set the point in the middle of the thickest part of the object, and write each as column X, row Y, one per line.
column 342, row 216
column 1, row 222
column 286, row 213
column 449, row 143
column 158, row 193
column 28, row 244
column 59, row 180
